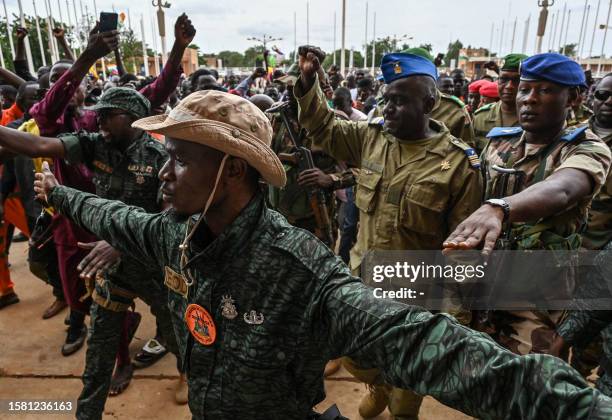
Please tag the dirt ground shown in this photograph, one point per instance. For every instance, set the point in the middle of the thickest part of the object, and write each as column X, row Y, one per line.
column 32, row 367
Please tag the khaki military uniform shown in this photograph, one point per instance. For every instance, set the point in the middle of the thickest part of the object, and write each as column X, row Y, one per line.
column 579, row 116
column 578, row 148
column 454, row 114
column 599, row 229
column 485, row 119
column 410, row 194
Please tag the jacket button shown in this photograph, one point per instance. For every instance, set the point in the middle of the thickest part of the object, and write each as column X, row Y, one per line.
column 280, row 235
column 235, row 133
column 253, row 353
column 280, row 355
column 233, row 344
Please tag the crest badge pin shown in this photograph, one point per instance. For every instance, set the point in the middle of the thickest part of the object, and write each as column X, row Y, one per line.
column 253, row 318
column 228, row 309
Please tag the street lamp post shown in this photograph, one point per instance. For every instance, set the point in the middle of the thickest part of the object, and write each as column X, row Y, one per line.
column 264, row 40
column 161, row 24
column 544, row 4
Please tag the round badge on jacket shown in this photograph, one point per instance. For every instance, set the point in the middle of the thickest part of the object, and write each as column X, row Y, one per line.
column 200, row 324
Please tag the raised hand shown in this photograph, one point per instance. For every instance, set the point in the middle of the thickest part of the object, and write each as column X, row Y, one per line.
column 310, row 59
column 184, row 31
column 101, row 43
column 59, row 33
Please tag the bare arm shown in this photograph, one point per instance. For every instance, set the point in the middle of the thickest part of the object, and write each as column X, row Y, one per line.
column 30, row 145
column 59, row 34
column 11, row 78
column 556, row 193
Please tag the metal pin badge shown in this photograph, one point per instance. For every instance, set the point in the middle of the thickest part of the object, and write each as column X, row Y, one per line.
column 228, row 309
column 253, row 318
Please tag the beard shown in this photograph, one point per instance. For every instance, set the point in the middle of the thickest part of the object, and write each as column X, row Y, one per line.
column 177, row 217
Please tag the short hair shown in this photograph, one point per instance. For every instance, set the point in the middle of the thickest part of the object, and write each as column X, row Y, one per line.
column 344, row 93
column 126, row 78
column 193, row 78
column 23, row 86
column 366, row 83
column 8, row 90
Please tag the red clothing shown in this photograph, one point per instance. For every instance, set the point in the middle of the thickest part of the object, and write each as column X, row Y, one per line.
column 11, row 114
column 52, row 117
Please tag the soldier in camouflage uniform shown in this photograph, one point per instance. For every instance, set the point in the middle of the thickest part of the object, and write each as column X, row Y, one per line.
column 564, row 169
column 416, row 181
column 259, row 306
column 503, row 112
column 586, row 346
column 125, row 162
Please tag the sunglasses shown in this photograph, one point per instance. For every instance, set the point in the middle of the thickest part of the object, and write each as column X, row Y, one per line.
column 602, row 95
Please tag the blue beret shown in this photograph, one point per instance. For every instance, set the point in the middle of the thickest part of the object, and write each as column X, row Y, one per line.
column 399, row 65
column 554, row 68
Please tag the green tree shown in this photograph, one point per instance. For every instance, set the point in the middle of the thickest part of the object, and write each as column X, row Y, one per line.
column 427, row 47
column 231, row 58
column 570, row 50
column 453, row 52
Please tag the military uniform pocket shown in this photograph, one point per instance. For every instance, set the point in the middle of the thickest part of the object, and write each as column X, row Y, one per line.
column 365, row 196
column 422, row 209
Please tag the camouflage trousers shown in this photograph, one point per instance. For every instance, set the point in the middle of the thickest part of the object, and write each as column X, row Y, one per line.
column 525, row 332
column 116, row 292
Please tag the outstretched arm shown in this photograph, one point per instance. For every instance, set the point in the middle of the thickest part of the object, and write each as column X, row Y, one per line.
column 435, row 355
column 23, row 143
column 59, row 34
column 128, row 229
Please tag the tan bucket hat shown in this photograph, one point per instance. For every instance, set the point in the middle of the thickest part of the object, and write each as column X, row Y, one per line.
column 224, row 122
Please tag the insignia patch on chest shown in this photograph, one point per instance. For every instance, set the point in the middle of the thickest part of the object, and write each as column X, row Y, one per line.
column 253, row 318
column 200, row 324
column 102, row 166
column 228, row 309
column 175, row 282
column 445, row 166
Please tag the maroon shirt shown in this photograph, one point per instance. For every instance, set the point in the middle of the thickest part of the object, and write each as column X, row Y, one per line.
column 53, row 118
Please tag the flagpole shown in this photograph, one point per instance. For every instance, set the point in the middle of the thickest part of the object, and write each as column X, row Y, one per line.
column 374, row 47
column 50, row 36
column 40, row 43
column 27, row 41
column 365, row 53
column 145, row 61
column 9, row 30
column 154, row 31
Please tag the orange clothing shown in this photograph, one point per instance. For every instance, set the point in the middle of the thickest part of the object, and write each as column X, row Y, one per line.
column 11, row 114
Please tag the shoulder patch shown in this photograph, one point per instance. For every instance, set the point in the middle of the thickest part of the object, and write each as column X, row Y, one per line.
column 453, row 99
column 498, row 132
column 483, row 108
column 574, row 133
column 470, row 153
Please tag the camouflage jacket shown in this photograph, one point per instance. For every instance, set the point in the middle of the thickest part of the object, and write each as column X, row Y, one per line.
column 599, row 228
column 575, row 147
column 309, row 310
column 129, row 176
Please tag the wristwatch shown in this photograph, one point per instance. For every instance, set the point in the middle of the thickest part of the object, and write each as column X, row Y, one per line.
column 503, row 204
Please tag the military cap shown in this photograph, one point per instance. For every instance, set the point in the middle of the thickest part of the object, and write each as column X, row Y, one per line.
column 554, row 68
column 474, row 87
column 396, row 66
column 489, row 89
column 421, row 52
column 126, row 99
column 512, row 62
column 226, row 122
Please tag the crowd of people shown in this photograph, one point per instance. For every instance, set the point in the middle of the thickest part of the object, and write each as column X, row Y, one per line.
column 240, row 210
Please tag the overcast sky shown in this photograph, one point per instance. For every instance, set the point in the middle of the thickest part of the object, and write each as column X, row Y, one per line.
column 225, row 25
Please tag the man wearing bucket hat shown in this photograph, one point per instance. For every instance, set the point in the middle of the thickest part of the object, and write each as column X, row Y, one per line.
column 259, row 306
column 501, row 113
column 564, row 168
column 416, row 182
column 125, row 162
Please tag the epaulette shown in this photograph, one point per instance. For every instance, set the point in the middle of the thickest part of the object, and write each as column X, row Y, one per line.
column 453, row 98
column 377, row 121
column 483, row 108
column 469, row 152
column 499, row 132
column 573, row 133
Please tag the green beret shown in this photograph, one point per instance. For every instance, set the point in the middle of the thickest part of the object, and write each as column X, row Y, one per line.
column 421, row 52
column 126, row 99
column 512, row 62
